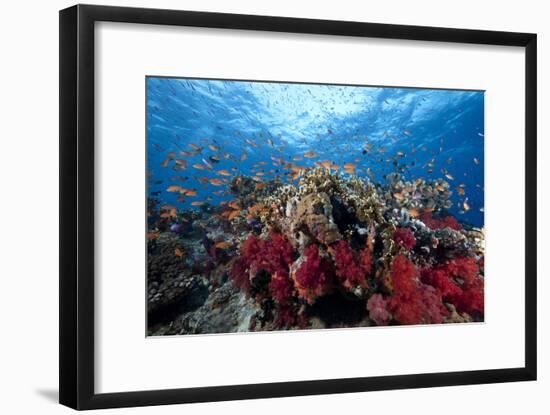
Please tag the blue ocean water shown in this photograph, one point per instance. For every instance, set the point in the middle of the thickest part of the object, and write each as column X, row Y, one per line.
column 201, row 133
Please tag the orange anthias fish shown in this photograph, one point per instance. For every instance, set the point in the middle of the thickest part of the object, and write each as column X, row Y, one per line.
column 213, row 147
column 199, row 166
column 178, row 252
column 224, row 173
column 350, row 168
column 188, row 192
column 170, row 212
column 216, row 182
column 414, row 213
column 181, row 162
column 233, row 204
column 223, row 245
column 326, row 164
column 197, row 203
column 174, row 188
column 310, row 154
column 399, row 196
column 153, row 235
column 195, row 146
column 233, row 214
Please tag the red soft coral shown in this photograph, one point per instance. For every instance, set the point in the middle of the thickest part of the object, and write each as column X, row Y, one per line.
column 440, row 278
column 314, row 276
column 239, row 274
column 273, row 256
column 463, row 267
column 405, row 238
column 459, row 283
column 406, row 303
column 472, row 298
column 281, row 288
column 351, row 269
column 288, row 315
column 440, row 223
column 413, row 302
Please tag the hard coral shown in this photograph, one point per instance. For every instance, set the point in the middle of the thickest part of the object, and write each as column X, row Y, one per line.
column 314, row 276
column 351, row 268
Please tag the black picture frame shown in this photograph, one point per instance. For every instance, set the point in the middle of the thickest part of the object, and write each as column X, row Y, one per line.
column 76, row 280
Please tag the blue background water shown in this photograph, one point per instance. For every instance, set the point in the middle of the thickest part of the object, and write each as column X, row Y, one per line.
column 438, row 132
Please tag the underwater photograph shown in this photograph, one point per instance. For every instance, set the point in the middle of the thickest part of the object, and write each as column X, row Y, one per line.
column 290, row 206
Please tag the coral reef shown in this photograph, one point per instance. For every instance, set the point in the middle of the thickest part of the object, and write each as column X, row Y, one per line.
column 331, row 250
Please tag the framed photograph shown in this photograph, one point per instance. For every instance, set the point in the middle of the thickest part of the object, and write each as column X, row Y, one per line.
column 258, row 207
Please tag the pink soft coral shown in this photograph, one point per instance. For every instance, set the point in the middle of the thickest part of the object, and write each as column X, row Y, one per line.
column 314, row 276
column 434, row 310
column 351, row 269
column 405, row 238
column 378, row 310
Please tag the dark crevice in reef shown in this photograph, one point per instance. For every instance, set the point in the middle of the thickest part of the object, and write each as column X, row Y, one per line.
column 343, row 217
column 336, row 310
column 193, row 300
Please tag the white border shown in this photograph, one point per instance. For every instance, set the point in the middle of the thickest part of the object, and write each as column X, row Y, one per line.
column 126, row 361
